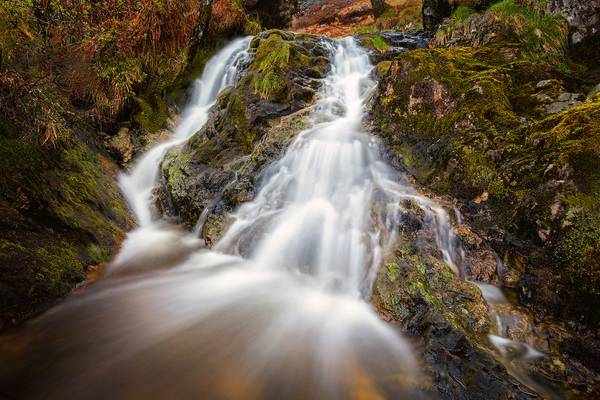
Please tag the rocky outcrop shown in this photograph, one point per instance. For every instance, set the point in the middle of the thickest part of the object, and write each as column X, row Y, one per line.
column 582, row 16
column 333, row 17
column 251, row 125
column 513, row 139
column 446, row 316
column 61, row 213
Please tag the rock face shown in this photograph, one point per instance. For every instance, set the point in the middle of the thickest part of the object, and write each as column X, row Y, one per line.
column 333, row 17
column 438, row 131
column 488, row 122
column 583, row 17
column 251, row 125
column 60, row 212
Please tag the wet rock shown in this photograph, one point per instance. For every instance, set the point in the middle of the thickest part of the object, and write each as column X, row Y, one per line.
column 453, row 117
column 250, row 126
column 447, row 318
column 387, row 45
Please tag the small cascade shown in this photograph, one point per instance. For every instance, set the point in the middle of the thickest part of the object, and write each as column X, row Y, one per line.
column 220, row 71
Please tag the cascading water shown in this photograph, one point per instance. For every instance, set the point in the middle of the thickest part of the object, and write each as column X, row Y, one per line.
column 220, row 71
column 278, row 309
column 151, row 241
column 289, row 321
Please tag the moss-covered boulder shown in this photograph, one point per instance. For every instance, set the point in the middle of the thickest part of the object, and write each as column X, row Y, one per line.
column 60, row 212
column 251, row 125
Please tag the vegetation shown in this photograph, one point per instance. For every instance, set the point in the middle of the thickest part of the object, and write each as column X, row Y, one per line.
column 539, row 36
column 68, row 70
column 469, row 120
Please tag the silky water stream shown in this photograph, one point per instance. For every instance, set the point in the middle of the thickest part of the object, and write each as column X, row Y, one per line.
column 278, row 308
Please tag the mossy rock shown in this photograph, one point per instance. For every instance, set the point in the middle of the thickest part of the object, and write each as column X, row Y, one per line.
column 466, row 122
column 446, row 318
column 250, row 126
column 61, row 211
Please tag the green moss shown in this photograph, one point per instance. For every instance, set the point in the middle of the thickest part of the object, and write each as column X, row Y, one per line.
column 98, row 254
column 60, row 267
column 541, row 37
column 462, row 13
column 482, row 174
column 479, row 137
column 380, row 44
column 151, row 116
column 272, row 57
column 61, row 211
column 393, row 271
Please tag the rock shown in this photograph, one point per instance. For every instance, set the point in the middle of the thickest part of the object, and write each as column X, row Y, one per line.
column 582, row 16
column 435, row 11
column 387, row 45
column 445, row 316
column 563, row 101
column 334, row 17
column 122, row 145
column 489, row 93
column 543, row 98
column 60, row 211
column 250, row 126
column 545, row 84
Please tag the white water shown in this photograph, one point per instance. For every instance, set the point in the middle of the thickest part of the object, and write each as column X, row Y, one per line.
column 302, row 256
column 219, row 72
column 279, row 308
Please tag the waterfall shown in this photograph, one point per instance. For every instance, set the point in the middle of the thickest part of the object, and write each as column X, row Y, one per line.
column 219, row 72
column 279, row 308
